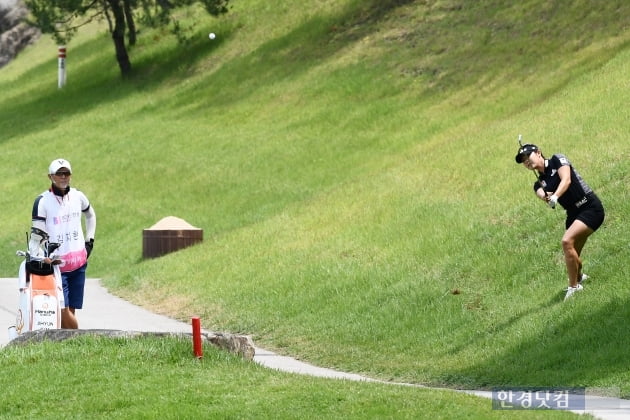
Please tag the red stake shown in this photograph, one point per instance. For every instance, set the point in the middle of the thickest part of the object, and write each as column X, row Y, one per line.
column 196, row 331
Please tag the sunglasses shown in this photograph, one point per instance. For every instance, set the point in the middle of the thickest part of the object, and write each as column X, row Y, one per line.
column 63, row 174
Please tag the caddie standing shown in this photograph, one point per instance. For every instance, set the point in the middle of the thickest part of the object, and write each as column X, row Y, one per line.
column 57, row 216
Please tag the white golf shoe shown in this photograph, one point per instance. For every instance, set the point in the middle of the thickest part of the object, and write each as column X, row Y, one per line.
column 572, row 290
column 582, row 278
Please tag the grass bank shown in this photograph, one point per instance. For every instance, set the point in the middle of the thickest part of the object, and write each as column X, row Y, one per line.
column 351, row 164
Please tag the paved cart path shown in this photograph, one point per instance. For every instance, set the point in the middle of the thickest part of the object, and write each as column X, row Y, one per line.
column 106, row 311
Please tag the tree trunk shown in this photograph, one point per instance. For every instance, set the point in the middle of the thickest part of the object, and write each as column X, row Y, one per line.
column 131, row 24
column 118, row 36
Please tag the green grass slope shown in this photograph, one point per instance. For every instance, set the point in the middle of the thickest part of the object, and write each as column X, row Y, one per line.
column 351, row 164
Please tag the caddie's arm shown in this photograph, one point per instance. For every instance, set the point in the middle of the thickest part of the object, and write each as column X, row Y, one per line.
column 90, row 223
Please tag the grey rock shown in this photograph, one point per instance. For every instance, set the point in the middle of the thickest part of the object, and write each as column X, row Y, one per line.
column 237, row 344
column 15, row 34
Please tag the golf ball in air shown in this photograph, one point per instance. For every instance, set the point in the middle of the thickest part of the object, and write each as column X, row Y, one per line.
column 212, row 35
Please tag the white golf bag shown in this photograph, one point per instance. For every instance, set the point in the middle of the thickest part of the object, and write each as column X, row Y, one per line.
column 40, row 292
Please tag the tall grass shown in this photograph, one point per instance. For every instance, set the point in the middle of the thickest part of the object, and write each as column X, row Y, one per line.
column 351, row 164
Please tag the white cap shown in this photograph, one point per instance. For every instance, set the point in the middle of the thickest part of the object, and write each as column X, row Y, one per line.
column 57, row 164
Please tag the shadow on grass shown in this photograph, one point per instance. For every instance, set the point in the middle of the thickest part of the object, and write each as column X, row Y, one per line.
column 586, row 346
column 89, row 85
column 43, row 106
column 454, row 48
column 510, row 322
column 491, row 31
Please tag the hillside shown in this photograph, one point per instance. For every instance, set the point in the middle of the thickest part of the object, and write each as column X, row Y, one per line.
column 351, row 164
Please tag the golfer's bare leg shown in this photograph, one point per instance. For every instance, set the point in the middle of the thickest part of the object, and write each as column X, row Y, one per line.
column 572, row 242
column 579, row 244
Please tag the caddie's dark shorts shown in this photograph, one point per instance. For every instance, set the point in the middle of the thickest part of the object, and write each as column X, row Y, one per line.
column 591, row 214
column 74, row 287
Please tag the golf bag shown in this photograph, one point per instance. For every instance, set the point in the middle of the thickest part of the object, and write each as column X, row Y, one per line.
column 40, row 291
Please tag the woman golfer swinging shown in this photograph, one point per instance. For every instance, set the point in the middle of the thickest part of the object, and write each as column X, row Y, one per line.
column 557, row 183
